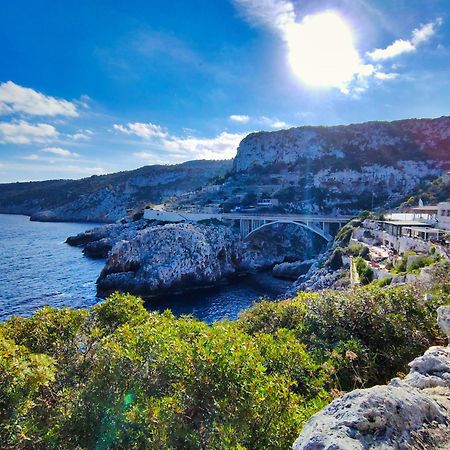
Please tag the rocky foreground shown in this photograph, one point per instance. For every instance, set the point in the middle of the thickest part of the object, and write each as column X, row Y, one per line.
column 413, row 413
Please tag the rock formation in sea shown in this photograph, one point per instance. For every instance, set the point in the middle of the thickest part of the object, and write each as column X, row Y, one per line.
column 152, row 258
column 413, row 413
column 171, row 257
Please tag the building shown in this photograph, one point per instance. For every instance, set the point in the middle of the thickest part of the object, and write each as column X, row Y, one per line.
column 426, row 214
column 268, row 202
column 443, row 215
column 211, row 188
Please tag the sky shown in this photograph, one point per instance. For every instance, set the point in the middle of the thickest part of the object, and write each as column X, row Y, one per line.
column 98, row 86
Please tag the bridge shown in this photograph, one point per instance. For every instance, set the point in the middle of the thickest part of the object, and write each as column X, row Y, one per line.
column 250, row 224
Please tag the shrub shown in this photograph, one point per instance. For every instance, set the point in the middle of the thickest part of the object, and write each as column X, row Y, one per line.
column 364, row 271
column 376, row 325
column 335, row 262
column 122, row 377
column 357, row 249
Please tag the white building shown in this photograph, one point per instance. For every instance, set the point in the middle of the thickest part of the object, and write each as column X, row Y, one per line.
column 268, row 202
column 443, row 215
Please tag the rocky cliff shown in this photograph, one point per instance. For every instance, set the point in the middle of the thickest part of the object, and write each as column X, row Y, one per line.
column 171, row 257
column 413, row 413
column 106, row 198
column 346, row 168
column 151, row 258
column 350, row 146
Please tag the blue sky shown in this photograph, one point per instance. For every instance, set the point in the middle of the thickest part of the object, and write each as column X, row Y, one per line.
column 96, row 86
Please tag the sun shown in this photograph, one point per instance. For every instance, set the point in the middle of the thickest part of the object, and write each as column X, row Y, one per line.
column 322, row 52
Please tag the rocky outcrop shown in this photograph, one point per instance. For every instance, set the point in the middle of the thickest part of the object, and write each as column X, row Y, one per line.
column 97, row 242
column 292, row 271
column 172, row 257
column 413, row 413
column 151, row 258
column 354, row 146
column 344, row 168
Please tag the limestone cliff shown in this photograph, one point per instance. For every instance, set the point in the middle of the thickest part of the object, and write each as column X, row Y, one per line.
column 345, row 168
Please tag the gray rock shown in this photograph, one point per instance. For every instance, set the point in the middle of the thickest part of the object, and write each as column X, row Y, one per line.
column 292, row 271
column 444, row 319
column 382, row 417
column 171, row 257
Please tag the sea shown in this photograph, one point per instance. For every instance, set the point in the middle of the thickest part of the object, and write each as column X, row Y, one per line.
column 37, row 268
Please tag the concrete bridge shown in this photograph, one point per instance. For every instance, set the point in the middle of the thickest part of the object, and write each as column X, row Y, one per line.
column 249, row 224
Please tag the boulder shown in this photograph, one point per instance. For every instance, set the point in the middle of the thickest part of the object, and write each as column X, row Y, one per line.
column 292, row 271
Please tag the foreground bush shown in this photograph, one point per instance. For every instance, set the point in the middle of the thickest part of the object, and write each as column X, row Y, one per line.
column 120, row 377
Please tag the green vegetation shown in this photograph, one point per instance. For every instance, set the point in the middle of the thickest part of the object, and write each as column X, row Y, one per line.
column 382, row 282
column 119, row 376
column 430, row 193
column 412, row 262
column 364, row 271
column 345, row 233
column 357, row 249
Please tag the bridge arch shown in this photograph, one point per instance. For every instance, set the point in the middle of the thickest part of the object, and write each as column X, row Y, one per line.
column 309, row 227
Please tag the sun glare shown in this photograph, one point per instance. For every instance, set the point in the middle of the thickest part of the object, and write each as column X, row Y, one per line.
column 321, row 51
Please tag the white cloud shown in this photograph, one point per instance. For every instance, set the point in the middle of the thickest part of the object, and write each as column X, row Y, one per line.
column 402, row 46
column 22, row 132
column 167, row 147
column 32, row 157
column 40, row 168
column 81, row 135
column 399, row 47
column 272, row 122
column 15, row 99
column 176, row 149
column 276, row 14
column 62, row 152
column 241, row 118
column 386, row 76
column 143, row 130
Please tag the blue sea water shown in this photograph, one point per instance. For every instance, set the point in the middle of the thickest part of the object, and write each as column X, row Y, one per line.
column 37, row 268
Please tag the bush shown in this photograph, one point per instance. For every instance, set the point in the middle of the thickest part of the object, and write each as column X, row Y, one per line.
column 364, row 271
column 364, row 335
column 122, row 377
column 335, row 262
column 357, row 249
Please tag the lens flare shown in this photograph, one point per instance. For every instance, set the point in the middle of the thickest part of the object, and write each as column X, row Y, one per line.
column 322, row 52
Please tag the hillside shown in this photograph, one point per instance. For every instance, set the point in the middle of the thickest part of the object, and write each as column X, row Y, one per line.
column 105, row 198
column 339, row 169
column 344, row 168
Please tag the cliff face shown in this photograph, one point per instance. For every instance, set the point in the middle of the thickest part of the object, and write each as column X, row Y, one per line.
column 345, row 168
column 150, row 258
column 170, row 257
column 351, row 146
column 105, row 198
